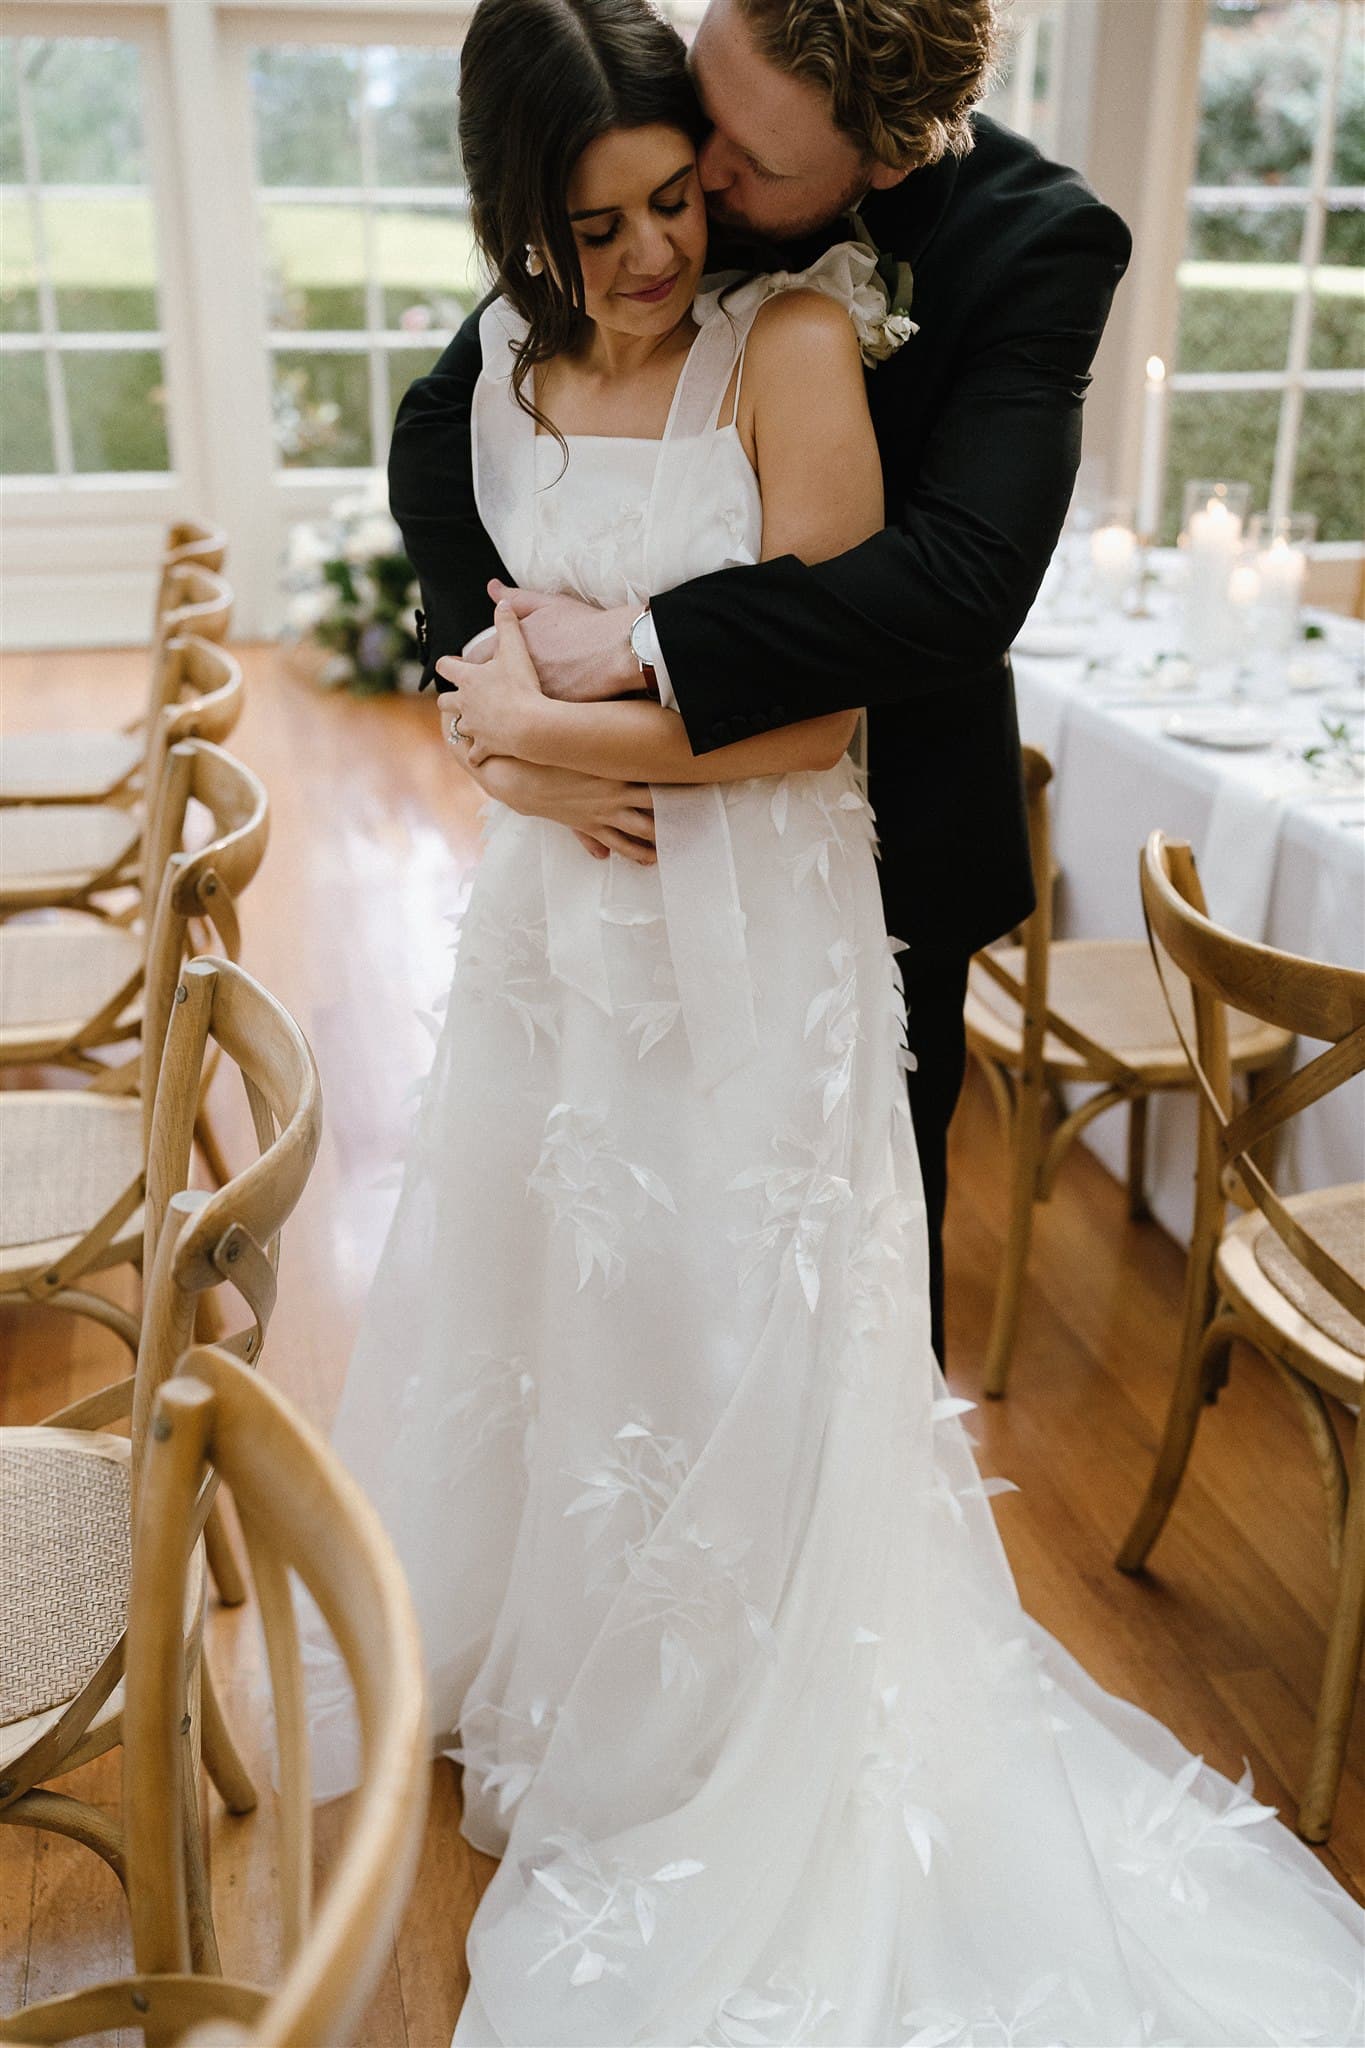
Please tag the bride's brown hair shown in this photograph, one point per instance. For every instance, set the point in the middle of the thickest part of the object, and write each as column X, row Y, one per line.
column 539, row 81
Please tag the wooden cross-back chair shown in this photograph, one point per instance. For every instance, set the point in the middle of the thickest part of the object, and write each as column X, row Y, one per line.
column 190, row 544
column 72, row 987
column 102, row 766
column 73, row 856
column 1048, row 1013
column 77, row 1159
column 301, row 1512
column 69, row 1483
column 1287, row 1277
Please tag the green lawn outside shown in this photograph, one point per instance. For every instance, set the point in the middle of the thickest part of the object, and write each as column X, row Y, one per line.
column 1234, row 315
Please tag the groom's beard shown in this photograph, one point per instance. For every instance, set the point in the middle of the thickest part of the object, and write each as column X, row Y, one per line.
column 727, row 228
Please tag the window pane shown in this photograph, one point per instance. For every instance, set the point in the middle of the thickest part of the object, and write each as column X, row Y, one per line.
column 18, row 275
column 322, row 410
column 316, row 258
column 427, row 267
column 1331, row 466
column 1220, row 434
column 1237, row 287
column 413, row 101
column 1338, row 340
column 117, row 404
column 103, row 260
column 87, row 111
column 1261, row 73
column 406, row 365
column 307, row 115
column 25, row 431
column 11, row 149
column 1348, row 167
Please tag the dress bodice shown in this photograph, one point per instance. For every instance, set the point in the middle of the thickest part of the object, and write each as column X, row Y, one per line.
column 586, row 527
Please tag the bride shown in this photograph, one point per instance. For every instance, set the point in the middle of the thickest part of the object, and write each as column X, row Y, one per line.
column 717, row 1619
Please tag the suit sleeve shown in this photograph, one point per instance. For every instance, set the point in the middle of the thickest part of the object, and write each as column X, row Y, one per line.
column 431, row 495
column 936, row 599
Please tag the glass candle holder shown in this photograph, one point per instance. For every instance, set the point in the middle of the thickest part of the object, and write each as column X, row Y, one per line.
column 1114, row 556
column 1212, row 523
column 1282, row 554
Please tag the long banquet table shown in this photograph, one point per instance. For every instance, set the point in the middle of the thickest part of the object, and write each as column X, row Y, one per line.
column 1281, row 851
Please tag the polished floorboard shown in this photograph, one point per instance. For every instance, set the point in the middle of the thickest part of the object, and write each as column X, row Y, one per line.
column 374, row 833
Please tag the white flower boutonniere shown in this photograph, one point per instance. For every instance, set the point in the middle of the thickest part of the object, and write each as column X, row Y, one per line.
column 881, row 337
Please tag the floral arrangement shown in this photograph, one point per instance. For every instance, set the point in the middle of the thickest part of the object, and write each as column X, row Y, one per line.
column 350, row 589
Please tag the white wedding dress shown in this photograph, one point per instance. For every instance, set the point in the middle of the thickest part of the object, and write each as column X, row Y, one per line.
column 713, row 1599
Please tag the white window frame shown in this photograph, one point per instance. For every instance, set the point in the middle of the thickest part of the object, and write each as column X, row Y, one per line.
column 76, row 547
column 77, row 558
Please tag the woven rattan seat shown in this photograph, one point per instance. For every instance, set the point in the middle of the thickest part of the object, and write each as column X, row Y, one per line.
column 56, row 975
column 69, row 1155
column 51, row 767
column 64, row 1556
column 1336, row 1218
column 1107, row 989
column 57, row 846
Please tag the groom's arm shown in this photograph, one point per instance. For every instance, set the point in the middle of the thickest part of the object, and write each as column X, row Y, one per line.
column 431, row 495
column 937, row 598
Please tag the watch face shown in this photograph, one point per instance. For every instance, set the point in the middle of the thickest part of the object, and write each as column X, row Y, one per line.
column 637, row 636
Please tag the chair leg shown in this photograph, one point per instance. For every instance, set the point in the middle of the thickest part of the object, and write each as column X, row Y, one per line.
column 1341, row 1671
column 1203, row 1367
column 72, row 1818
column 1138, row 1210
column 227, row 1573
column 204, row 1957
column 221, row 1759
column 1026, row 1149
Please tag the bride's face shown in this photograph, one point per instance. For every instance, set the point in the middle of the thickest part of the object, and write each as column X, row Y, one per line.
column 639, row 220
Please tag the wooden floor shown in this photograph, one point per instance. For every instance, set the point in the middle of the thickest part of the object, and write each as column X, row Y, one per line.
column 374, row 830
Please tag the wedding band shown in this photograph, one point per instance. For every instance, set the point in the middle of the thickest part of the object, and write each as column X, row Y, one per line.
column 453, row 733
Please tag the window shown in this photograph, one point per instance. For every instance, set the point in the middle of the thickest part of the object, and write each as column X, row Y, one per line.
column 1270, row 358
column 1024, row 95
column 365, row 235
column 82, row 377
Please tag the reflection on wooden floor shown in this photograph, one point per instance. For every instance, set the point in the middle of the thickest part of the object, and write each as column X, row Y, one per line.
column 374, row 833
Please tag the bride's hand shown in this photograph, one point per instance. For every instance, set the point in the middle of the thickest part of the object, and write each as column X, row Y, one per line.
column 493, row 699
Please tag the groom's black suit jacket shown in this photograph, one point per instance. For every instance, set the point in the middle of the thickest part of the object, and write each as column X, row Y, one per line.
column 978, row 420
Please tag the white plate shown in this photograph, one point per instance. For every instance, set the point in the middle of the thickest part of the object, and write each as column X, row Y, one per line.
column 1220, row 725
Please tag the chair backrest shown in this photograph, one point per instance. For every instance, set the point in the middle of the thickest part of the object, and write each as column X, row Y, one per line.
column 188, row 541
column 202, row 884
column 194, row 1240
column 205, row 702
column 300, row 1512
column 194, row 600
column 1307, row 997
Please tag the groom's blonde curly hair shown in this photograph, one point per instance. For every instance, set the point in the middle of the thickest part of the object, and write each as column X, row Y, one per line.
column 901, row 76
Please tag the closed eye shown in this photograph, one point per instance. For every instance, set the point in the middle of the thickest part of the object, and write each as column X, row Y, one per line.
column 671, row 208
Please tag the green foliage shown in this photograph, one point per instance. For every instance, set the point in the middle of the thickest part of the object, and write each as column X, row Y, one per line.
column 1262, row 99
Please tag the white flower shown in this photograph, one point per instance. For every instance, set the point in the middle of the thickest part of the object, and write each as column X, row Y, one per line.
column 881, row 338
column 308, row 609
column 307, row 548
column 375, row 535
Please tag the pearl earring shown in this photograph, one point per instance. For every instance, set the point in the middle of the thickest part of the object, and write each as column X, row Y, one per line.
column 535, row 262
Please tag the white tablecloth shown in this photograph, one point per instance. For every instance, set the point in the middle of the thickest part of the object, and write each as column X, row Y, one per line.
column 1282, row 860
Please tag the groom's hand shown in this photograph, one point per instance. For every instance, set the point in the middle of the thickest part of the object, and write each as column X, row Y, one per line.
column 581, row 654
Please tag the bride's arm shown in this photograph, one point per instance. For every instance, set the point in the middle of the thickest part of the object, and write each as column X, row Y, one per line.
column 804, row 419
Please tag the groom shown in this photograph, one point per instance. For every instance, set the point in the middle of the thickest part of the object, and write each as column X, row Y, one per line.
column 817, row 106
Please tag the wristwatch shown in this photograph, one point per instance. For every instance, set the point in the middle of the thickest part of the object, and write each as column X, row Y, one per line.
column 642, row 645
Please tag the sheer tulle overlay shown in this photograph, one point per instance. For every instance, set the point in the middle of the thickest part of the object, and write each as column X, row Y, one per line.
column 717, row 1617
